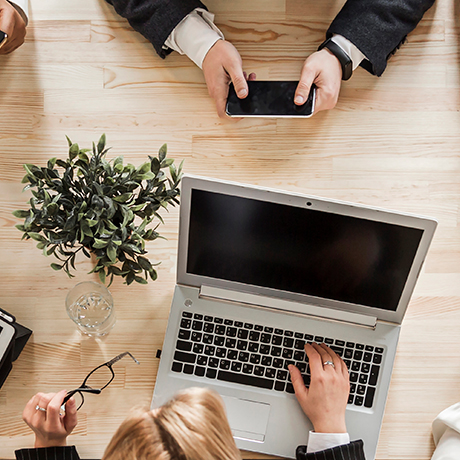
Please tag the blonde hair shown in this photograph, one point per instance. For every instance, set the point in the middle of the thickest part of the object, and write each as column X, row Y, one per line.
column 191, row 426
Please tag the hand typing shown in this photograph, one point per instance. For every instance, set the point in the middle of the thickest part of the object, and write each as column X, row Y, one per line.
column 325, row 401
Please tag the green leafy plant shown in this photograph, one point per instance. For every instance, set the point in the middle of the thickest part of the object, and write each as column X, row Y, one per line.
column 86, row 203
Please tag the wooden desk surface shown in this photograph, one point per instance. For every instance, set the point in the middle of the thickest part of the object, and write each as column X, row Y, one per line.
column 391, row 142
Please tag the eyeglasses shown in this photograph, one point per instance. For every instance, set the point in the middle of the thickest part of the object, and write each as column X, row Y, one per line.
column 98, row 379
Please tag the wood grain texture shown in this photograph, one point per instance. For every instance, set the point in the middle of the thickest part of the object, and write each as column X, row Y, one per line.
column 392, row 142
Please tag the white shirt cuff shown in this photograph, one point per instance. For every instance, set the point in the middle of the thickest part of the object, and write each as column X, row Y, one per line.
column 446, row 434
column 323, row 441
column 355, row 55
column 194, row 35
column 23, row 8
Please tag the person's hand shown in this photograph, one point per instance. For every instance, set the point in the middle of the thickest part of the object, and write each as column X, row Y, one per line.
column 324, row 403
column 51, row 427
column 13, row 25
column 324, row 70
column 222, row 65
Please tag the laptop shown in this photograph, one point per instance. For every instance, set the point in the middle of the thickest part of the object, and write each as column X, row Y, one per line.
column 259, row 273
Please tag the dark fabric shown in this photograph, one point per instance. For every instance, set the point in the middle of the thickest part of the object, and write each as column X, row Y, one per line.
column 155, row 19
column 378, row 27
column 352, row 451
column 48, row 453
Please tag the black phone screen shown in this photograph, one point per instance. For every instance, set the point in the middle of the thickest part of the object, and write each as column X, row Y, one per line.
column 269, row 98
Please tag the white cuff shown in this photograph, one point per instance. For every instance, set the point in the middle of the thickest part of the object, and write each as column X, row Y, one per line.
column 194, row 35
column 23, row 8
column 355, row 55
column 446, row 434
column 323, row 441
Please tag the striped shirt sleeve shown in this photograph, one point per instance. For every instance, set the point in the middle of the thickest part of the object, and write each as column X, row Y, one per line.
column 352, row 451
column 48, row 453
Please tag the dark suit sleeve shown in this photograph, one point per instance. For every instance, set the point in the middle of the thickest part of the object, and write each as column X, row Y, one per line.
column 155, row 19
column 48, row 453
column 378, row 27
column 352, row 451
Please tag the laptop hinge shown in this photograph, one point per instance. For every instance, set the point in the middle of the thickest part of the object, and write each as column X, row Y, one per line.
column 303, row 309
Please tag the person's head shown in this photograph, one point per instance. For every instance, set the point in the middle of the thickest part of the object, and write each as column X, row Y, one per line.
column 191, row 426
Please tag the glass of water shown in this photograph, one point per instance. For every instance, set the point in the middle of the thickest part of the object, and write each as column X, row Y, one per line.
column 90, row 306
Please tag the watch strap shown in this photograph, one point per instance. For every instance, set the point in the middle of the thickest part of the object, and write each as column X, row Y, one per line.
column 345, row 61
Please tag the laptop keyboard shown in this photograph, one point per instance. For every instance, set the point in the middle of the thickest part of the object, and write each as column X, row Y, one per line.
column 258, row 356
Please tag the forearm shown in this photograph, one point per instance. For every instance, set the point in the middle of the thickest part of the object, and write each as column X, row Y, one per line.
column 23, row 8
column 377, row 28
column 155, row 19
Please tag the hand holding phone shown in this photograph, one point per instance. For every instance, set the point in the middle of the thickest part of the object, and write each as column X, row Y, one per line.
column 270, row 99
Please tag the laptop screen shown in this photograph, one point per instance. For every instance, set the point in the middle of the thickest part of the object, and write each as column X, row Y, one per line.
column 299, row 250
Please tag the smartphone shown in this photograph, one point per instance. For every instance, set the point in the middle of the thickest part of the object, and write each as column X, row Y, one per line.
column 3, row 38
column 270, row 99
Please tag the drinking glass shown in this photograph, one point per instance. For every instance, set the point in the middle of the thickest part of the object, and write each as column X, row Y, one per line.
column 90, row 306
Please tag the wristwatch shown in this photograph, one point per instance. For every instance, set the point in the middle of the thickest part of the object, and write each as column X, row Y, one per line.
column 339, row 53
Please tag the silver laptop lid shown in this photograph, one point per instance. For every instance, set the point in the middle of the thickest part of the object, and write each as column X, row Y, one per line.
column 300, row 248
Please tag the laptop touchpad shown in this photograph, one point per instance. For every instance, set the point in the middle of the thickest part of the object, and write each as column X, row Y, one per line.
column 248, row 419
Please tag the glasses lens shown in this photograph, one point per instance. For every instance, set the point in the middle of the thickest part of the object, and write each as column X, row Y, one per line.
column 99, row 378
column 78, row 400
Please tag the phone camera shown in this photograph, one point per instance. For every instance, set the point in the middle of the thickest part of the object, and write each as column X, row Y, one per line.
column 309, row 203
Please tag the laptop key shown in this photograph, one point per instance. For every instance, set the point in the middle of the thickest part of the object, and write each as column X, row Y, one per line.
column 369, row 397
column 337, row 350
column 254, row 359
column 236, row 366
column 353, row 388
column 347, row 363
column 218, row 320
column 288, row 342
column 208, row 327
column 350, row 345
column 254, row 336
column 299, row 355
column 340, row 343
column 231, row 331
column 221, row 352
column 379, row 350
column 265, row 338
column 365, row 367
column 213, row 362
column 374, row 375
column 200, row 371
column 242, row 334
column 350, row 399
column 328, row 341
column 359, row 400
column 258, row 327
column 281, row 374
column 211, row 373
column 219, row 340
column 202, row 360
column 358, row 355
column 184, row 334
column 232, row 354
column 225, row 364
column 267, row 361
column 298, row 335
column 353, row 377
column 209, row 350
column 377, row 359
column 299, row 344
column 196, row 336
column 264, row 349
column 220, row 329
column 230, row 343
column 243, row 357
column 319, row 339
column 270, row 373
column 355, row 366
column 187, row 314
column 301, row 366
column 259, row 371
column 359, row 346
column 198, row 316
column 183, row 345
column 250, row 380
column 306, row 379
column 228, row 322
column 268, row 329
column 209, row 319
column 289, row 333
column 287, row 353
column 185, row 323
column 348, row 353
column 208, row 338
column 278, row 363
column 308, row 337
column 276, row 351
column 188, row 369
column 197, row 325
column 277, row 340
column 242, row 345
column 247, row 368
column 361, row 390
column 198, row 348
column 289, row 388
column 253, row 347
column 367, row 357
column 369, row 348
column 279, row 386
column 176, row 367
column 287, row 362
column 248, row 325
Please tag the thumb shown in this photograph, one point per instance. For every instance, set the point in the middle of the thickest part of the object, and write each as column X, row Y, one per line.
column 239, row 82
column 302, row 91
column 70, row 419
column 301, row 391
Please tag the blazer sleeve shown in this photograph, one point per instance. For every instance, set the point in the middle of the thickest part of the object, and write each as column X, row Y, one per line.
column 155, row 19
column 378, row 27
column 352, row 451
column 48, row 453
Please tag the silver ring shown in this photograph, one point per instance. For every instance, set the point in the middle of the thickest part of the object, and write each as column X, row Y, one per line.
column 329, row 363
column 37, row 407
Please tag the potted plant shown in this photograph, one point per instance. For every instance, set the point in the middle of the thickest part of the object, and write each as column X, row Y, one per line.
column 94, row 206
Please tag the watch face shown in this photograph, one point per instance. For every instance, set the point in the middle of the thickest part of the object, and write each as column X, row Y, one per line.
column 3, row 38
